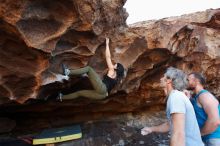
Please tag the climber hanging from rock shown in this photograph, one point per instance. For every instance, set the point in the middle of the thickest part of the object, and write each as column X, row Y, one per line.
column 101, row 87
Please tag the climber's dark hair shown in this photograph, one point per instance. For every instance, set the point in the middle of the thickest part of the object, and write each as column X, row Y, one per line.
column 119, row 71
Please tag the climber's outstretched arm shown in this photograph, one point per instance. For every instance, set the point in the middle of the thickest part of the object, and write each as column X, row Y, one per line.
column 108, row 59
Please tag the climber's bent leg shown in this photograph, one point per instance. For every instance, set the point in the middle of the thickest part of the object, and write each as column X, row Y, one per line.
column 96, row 81
column 91, row 94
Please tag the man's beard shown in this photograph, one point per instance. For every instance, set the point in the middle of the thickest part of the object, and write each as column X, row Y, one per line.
column 190, row 88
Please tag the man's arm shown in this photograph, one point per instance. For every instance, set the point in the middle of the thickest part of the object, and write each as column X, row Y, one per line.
column 178, row 131
column 160, row 128
column 210, row 105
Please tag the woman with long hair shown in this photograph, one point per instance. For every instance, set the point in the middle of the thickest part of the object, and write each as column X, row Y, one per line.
column 103, row 87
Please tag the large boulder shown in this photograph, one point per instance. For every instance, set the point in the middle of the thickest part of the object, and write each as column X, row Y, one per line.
column 37, row 36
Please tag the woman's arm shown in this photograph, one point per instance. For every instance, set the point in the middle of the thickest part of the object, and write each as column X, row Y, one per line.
column 108, row 59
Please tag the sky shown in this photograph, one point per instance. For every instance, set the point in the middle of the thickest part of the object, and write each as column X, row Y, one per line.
column 140, row 10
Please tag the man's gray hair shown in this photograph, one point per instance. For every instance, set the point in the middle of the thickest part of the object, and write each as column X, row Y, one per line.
column 178, row 77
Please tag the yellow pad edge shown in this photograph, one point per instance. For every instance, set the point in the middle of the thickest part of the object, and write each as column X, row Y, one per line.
column 56, row 139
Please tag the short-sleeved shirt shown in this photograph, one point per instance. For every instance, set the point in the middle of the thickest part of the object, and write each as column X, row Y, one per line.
column 178, row 102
